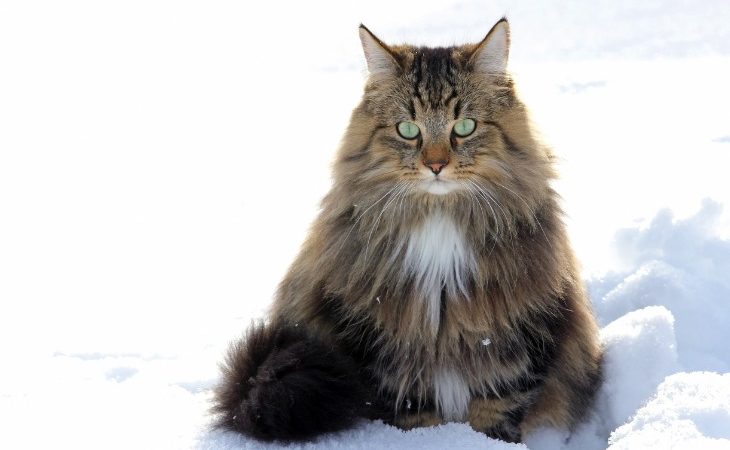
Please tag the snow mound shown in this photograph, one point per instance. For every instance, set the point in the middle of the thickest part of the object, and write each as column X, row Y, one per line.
column 640, row 351
column 683, row 266
column 690, row 410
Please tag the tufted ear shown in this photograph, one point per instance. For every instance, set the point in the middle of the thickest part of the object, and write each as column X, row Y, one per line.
column 490, row 55
column 378, row 56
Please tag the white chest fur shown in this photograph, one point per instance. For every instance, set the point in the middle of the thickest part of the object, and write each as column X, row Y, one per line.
column 438, row 258
column 451, row 393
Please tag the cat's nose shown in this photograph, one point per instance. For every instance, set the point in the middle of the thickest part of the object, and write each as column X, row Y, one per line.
column 436, row 166
column 435, row 157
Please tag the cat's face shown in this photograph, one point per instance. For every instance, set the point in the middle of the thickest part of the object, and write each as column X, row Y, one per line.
column 443, row 119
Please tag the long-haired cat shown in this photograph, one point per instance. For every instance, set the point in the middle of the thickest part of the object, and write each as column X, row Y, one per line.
column 437, row 283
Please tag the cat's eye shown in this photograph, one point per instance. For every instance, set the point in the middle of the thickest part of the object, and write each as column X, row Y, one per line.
column 408, row 130
column 464, row 127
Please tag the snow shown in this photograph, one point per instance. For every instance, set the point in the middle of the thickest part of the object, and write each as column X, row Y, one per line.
column 690, row 410
column 147, row 210
column 376, row 435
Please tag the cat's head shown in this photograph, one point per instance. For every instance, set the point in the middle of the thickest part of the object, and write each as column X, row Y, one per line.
column 444, row 122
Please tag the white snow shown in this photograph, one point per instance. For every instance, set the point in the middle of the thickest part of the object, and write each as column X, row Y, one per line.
column 160, row 163
column 689, row 410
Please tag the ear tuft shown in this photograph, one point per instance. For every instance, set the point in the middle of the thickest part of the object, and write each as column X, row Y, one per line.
column 492, row 53
column 378, row 56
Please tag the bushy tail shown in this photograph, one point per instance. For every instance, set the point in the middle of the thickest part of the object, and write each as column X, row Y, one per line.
column 279, row 382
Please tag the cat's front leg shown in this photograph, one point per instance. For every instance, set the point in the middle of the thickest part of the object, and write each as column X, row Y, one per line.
column 500, row 418
column 406, row 414
column 417, row 419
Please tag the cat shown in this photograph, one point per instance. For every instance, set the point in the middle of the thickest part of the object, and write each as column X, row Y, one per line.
column 437, row 284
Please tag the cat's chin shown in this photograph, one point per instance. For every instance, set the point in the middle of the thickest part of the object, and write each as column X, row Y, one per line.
column 439, row 186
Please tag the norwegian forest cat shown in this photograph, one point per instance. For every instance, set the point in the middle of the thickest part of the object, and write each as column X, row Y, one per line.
column 437, row 283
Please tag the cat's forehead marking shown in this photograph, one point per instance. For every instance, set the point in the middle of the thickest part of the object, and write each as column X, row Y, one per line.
column 433, row 77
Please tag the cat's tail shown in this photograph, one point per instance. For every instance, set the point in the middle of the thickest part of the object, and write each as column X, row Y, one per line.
column 279, row 382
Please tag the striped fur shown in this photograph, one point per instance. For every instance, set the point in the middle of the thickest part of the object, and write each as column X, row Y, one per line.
column 457, row 295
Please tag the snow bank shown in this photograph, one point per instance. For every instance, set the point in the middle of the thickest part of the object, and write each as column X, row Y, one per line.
column 690, row 411
column 640, row 352
column 682, row 265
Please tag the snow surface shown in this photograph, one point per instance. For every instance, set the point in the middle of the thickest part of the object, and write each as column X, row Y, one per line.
column 154, row 187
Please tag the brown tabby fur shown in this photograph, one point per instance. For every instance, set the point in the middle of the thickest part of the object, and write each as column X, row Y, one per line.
column 348, row 285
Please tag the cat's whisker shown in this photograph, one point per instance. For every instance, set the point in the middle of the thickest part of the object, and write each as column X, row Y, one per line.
column 361, row 215
column 529, row 208
column 485, row 219
column 405, row 192
column 478, row 195
column 496, row 202
column 494, row 234
column 376, row 202
column 397, row 209
column 490, row 180
column 381, row 177
column 495, row 218
column 527, row 205
column 400, row 185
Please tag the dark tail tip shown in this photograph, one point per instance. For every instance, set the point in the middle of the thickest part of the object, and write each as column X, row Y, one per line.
column 279, row 382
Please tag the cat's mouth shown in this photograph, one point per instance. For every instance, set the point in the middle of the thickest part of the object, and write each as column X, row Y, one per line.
column 438, row 185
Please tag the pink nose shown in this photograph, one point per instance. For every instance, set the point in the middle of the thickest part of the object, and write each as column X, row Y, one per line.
column 436, row 166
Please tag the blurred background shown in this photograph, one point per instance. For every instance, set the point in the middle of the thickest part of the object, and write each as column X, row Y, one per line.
column 160, row 161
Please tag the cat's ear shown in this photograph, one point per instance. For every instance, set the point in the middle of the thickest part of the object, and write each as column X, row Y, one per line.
column 379, row 57
column 491, row 54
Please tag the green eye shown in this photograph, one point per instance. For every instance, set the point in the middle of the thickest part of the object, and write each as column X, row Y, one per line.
column 408, row 130
column 464, row 127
